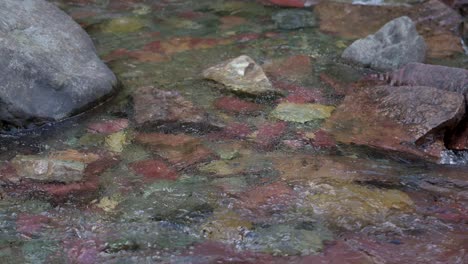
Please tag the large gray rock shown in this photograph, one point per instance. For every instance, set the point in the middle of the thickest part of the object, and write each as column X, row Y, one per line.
column 49, row 66
column 394, row 45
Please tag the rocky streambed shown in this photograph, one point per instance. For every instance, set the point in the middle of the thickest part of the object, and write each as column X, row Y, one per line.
column 272, row 131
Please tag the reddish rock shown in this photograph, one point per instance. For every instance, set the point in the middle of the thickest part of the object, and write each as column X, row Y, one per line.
column 269, row 134
column 29, row 224
column 297, row 67
column 355, row 21
column 443, row 45
column 299, row 94
column 302, row 96
column 180, row 150
column 233, row 131
column 322, row 139
column 261, row 195
column 235, row 105
column 108, row 126
column 154, row 170
column 402, row 119
column 82, row 251
column 154, row 107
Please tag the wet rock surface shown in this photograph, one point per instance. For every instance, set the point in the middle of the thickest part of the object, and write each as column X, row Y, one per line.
column 155, row 107
column 397, row 43
column 271, row 186
column 441, row 77
column 50, row 59
column 408, row 113
column 241, row 74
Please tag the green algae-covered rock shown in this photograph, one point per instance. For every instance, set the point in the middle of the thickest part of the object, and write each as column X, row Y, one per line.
column 302, row 113
column 123, row 25
column 352, row 206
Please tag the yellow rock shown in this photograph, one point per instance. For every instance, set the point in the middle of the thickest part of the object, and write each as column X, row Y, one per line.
column 115, row 142
column 302, row 113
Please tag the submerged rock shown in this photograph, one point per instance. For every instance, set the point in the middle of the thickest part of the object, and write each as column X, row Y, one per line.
column 287, row 240
column 351, row 206
column 408, row 119
column 294, row 19
column 50, row 70
column 302, row 113
column 241, row 74
column 155, row 107
column 394, row 45
column 437, row 76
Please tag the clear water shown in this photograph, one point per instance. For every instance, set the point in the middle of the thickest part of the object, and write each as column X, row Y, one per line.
column 290, row 202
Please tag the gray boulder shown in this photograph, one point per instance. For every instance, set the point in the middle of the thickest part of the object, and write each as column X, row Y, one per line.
column 50, row 69
column 397, row 43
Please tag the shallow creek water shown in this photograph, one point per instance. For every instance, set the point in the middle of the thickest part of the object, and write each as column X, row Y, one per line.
column 259, row 190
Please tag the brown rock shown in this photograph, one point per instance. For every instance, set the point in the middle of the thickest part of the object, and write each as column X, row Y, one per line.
column 154, row 107
column 180, row 150
column 396, row 118
column 355, row 21
column 459, row 139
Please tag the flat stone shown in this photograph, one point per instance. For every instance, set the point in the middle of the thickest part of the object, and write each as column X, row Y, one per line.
column 302, row 113
column 399, row 118
column 155, row 107
column 241, row 74
column 50, row 69
column 437, row 76
column 397, row 43
column 43, row 169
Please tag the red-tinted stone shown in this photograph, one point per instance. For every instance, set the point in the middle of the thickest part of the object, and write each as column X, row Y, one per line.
column 154, row 169
column 82, row 251
column 258, row 196
column 108, row 126
column 269, row 134
column 235, row 105
column 299, row 94
column 323, row 139
column 29, row 224
column 232, row 131
column 295, row 67
column 180, row 150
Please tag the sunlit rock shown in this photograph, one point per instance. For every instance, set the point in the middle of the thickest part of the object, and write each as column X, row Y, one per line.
column 397, row 43
column 352, row 206
column 241, row 74
column 302, row 113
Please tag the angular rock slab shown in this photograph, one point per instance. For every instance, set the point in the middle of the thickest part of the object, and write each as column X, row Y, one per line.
column 441, row 77
column 397, row 43
column 154, row 107
column 241, row 74
column 49, row 66
column 396, row 118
